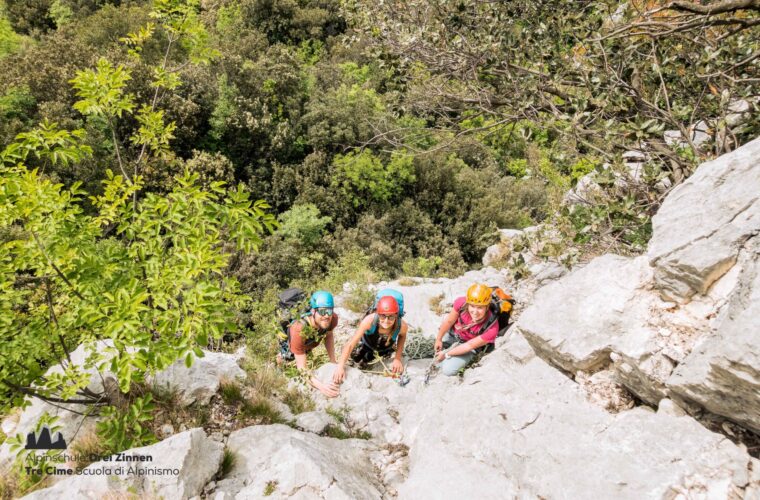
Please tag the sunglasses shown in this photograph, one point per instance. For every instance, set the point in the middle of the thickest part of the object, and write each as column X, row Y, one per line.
column 387, row 316
column 324, row 311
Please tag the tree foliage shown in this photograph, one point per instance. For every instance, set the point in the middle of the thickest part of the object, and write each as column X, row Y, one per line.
column 136, row 277
column 603, row 72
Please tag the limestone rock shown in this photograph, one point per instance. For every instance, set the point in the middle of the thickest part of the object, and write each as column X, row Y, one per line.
column 577, row 321
column 70, row 424
column 504, row 247
column 604, row 314
column 287, row 463
column 186, row 462
column 702, row 225
column 585, row 191
column 201, row 381
column 314, row 421
column 545, row 272
column 723, row 373
column 372, row 402
column 531, row 433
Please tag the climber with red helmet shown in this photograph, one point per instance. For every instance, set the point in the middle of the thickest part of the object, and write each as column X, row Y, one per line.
column 381, row 333
column 470, row 324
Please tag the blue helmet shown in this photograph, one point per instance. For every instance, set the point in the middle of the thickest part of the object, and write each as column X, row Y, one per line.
column 321, row 298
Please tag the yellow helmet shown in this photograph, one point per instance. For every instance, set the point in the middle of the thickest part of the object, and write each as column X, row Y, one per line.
column 479, row 295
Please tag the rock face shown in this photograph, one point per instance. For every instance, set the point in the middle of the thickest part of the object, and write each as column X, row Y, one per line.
column 704, row 223
column 280, row 462
column 374, row 402
column 723, row 373
column 582, row 318
column 682, row 325
column 529, row 430
column 201, row 381
column 502, row 249
column 179, row 467
column 194, row 385
column 70, row 423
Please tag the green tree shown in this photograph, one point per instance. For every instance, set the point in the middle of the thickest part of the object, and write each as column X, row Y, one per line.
column 147, row 277
column 362, row 178
column 142, row 271
column 609, row 74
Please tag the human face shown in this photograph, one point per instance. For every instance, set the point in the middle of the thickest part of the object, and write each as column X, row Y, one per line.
column 323, row 316
column 477, row 312
column 386, row 320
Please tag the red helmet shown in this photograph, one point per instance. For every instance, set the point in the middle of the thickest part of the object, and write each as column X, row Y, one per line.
column 387, row 305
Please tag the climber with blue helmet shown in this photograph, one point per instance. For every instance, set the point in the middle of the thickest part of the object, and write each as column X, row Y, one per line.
column 308, row 332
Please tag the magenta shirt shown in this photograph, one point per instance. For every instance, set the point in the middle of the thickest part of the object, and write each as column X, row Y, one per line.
column 464, row 319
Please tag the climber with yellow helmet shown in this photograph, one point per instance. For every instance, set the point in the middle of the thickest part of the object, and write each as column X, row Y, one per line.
column 470, row 322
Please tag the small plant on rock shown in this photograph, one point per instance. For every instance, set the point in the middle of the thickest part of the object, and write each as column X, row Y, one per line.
column 227, row 464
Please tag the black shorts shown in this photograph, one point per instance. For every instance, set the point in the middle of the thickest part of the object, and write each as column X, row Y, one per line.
column 365, row 354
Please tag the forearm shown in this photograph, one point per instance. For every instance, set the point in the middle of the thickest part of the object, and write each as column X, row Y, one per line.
column 330, row 348
column 300, row 361
column 347, row 349
column 445, row 327
column 448, row 322
column 467, row 346
column 400, row 347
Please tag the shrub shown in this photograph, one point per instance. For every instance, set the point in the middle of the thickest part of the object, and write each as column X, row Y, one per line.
column 126, row 428
column 362, row 178
column 303, row 224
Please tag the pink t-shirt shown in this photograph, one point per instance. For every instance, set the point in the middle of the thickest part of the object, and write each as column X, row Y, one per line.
column 465, row 319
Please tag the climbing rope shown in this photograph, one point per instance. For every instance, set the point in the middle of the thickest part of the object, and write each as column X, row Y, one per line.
column 418, row 346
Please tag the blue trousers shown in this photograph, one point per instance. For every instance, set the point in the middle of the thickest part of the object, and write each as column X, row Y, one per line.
column 451, row 366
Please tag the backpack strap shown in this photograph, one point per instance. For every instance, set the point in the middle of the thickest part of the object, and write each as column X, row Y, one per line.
column 373, row 328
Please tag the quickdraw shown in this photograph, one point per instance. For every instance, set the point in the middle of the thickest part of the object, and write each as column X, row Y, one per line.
column 400, row 378
column 434, row 365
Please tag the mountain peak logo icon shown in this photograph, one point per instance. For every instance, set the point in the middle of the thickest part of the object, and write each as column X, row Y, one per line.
column 44, row 442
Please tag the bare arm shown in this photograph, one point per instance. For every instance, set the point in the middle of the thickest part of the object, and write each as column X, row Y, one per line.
column 448, row 322
column 401, row 339
column 300, row 361
column 330, row 346
column 328, row 391
column 364, row 325
column 340, row 371
column 468, row 346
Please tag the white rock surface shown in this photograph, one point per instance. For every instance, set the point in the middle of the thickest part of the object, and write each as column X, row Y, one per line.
column 374, row 402
column 179, row 468
column 584, row 192
column 289, row 463
column 314, row 421
column 577, row 321
column 71, row 423
column 196, row 384
column 704, row 222
column 201, row 381
column 503, row 248
column 531, row 433
column 723, row 373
